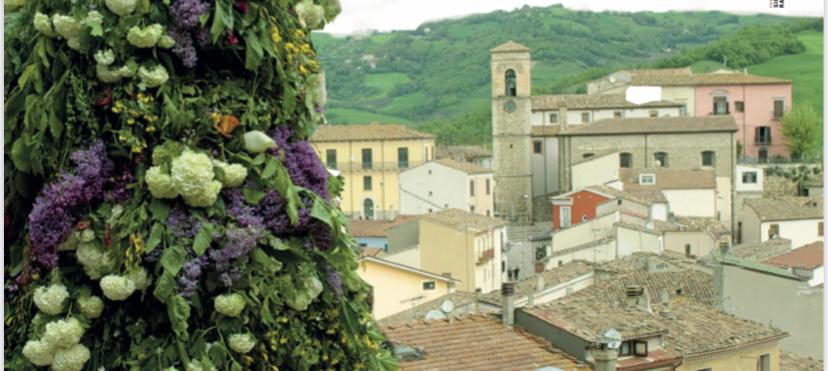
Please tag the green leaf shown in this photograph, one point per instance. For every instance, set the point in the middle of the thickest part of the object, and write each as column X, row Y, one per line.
column 159, row 209
column 252, row 196
column 268, row 262
column 277, row 243
column 219, row 22
column 203, row 239
column 20, row 154
column 155, row 237
column 173, row 258
column 320, row 211
column 270, row 168
column 260, row 159
column 179, row 313
column 253, row 52
column 164, row 286
column 55, row 125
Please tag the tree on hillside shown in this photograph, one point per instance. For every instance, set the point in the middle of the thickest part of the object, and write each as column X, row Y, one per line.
column 164, row 209
column 802, row 129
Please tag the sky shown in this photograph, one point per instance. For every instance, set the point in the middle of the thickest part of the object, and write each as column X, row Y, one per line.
column 386, row 15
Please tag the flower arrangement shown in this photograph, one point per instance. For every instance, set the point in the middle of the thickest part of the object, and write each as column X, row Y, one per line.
column 164, row 208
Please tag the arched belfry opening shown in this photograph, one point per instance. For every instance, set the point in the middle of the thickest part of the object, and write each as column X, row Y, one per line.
column 511, row 83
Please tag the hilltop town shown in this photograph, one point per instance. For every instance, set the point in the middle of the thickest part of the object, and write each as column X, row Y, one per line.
column 656, row 222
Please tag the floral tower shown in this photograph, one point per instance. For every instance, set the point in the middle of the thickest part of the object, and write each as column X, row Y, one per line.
column 163, row 208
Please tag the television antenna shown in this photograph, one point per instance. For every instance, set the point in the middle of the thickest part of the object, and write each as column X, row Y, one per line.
column 434, row 314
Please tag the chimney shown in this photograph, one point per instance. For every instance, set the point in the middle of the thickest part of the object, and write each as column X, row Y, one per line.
column 637, row 297
column 508, row 308
column 530, row 300
column 604, row 358
column 562, row 119
column 540, row 284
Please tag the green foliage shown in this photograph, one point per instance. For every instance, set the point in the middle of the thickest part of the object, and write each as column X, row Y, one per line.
column 801, row 127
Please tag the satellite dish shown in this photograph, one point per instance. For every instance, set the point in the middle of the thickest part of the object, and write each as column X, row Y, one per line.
column 612, row 338
column 435, row 315
column 447, row 306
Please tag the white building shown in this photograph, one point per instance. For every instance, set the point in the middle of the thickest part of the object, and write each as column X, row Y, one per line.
column 804, row 261
column 690, row 193
column 799, row 219
column 447, row 184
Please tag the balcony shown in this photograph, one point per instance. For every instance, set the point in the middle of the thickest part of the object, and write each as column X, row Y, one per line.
column 485, row 257
column 377, row 166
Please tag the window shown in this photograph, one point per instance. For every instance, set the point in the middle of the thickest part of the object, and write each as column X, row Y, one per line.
column 330, row 159
column 366, row 183
column 709, row 158
column 688, row 250
column 471, row 208
column 763, row 363
column 763, row 155
column 820, row 229
column 368, row 208
column 588, row 155
column 720, row 106
column 616, row 114
column 625, row 349
column 749, row 177
column 740, row 106
column 471, row 188
column 646, row 179
column 778, row 108
column 488, row 187
column 511, row 83
column 583, row 218
column 683, row 110
column 773, row 231
column 429, row 285
column 640, row 348
column 565, row 216
column 585, row 117
column 653, row 113
column 553, row 118
column 367, row 161
column 763, row 135
column 402, row 157
column 626, row 160
column 661, row 159
column 537, row 147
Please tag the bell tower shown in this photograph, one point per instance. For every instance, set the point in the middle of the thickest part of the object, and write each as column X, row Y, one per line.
column 511, row 130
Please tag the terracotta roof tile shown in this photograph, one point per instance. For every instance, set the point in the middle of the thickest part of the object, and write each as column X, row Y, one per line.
column 463, row 153
column 668, row 179
column 478, row 342
column 793, row 361
column 509, row 46
column 592, row 101
column 460, row 220
column 809, row 256
column 342, row 133
column 646, row 197
column 376, row 228
column 551, row 278
column 660, row 286
column 464, row 303
column 653, row 125
column 763, row 250
column 669, row 78
column 545, row 131
column 791, row 208
column 466, row 167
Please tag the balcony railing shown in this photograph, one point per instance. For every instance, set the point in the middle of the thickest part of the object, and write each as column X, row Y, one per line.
column 485, row 257
column 376, row 165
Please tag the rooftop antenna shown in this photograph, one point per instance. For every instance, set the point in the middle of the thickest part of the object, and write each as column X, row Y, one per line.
column 444, row 312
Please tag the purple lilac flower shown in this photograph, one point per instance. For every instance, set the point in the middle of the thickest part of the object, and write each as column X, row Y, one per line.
column 245, row 214
column 53, row 213
column 335, row 280
column 184, row 27
column 181, row 224
column 238, row 243
column 183, row 47
column 301, row 161
column 118, row 192
column 186, row 12
column 190, row 274
column 152, row 256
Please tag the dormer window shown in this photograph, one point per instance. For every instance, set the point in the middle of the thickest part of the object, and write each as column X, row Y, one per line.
column 647, row 179
column 636, row 348
column 511, row 83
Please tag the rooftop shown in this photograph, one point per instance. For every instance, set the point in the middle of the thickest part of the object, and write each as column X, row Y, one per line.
column 666, row 179
column 466, row 167
column 371, row 251
column 793, row 361
column 508, row 47
column 761, row 251
column 647, row 197
column 687, row 224
column 366, row 132
column 546, row 279
column 807, row 257
column 463, row 302
column 463, row 153
column 790, row 208
column 680, row 77
column 460, row 220
column 545, row 131
column 592, row 101
column 406, row 268
column 376, row 228
column 477, row 342
column 660, row 286
column 758, row 267
column 654, row 125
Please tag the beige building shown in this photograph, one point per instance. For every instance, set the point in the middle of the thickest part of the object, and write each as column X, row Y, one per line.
column 799, row 219
column 689, row 193
column 466, row 246
column 398, row 287
column 370, row 158
column 447, row 184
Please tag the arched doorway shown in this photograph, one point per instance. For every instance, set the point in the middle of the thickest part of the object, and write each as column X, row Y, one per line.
column 368, row 208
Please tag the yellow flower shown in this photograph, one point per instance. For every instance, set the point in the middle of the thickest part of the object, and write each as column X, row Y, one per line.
column 306, row 49
column 137, row 149
column 283, row 341
column 118, row 107
column 130, row 121
column 303, row 70
column 150, row 129
column 284, row 319
column 274, row 34
column 299, row 34
column 290, row 48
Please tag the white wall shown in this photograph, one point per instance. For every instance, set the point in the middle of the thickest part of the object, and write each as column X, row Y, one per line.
column 545, row 166
column 595, row 171
column 659, row 211
column 701, row 243
column 597, row 253
column 692, row 202
column 488, row 276
column 629, row 241
column 410, row 257
column 800, row 232
column 449, row 189
column 819, row 277
column 723, row 200
column 681, row 94
column 583, row 233
column 743, row 187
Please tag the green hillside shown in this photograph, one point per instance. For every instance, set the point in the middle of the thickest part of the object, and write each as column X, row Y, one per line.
column 440, row 70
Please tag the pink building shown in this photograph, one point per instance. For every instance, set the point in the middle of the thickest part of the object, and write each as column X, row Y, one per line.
column 757, row 109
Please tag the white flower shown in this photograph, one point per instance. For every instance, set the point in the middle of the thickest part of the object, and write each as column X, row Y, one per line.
column 140, row 277
column 50, row 300
column 122, row 8
column 234, row 174
column 105, row 57
column 145, row 37
column 191, row 173
column 106, row 74
column 95, row 261
column 87, row 235
column 153, row 77
column 206, row 198
column 71, row 359
column 230, row 305
column 242, row 343
column 43, row 24
column 257, row 142
column 160, row 184
column 38, row 353
column 67, row 27
column 117, row 287
column 90, row 306
column 166, row 42
column 63, row 334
